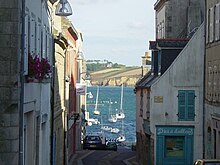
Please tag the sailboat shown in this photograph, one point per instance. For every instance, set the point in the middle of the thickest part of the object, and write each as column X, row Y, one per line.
column 114, row 130
column 105, row 127
column 120, row 114
column 111, row 118
column 96, row 111
column 121, row 137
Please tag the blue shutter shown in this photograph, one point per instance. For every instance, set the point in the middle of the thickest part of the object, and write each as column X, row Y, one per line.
column 181, row 105
column 191, row 105
column 160, row 150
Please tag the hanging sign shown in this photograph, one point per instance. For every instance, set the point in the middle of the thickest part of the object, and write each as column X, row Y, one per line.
column 80, row 89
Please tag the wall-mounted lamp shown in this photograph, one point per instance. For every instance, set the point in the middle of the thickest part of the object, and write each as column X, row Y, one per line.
column 90, row 95
column 63, row 8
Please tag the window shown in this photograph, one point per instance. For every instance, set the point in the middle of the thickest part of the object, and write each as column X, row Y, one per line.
column 159, row 63
column 186, row 105
column 174, row 146
column 214, row 141
column 215, row 83
column 148, row 101
column 210, row 81
column 141, row 103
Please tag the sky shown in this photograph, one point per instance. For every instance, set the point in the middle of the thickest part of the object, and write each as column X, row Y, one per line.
column 115, row 30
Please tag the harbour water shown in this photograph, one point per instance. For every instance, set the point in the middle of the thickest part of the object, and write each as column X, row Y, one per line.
column 128, row 125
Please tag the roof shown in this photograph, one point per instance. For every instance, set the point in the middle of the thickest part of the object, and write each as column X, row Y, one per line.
column 152, row 45
column 169, row 43
column 146, row 81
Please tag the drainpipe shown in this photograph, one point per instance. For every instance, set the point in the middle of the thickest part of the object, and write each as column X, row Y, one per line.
column 52, row 138
column 21, row 109
column 204, row 78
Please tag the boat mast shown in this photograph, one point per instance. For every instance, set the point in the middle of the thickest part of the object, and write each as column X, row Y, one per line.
column 97, row 95
column 121, row 97
column 110, row 109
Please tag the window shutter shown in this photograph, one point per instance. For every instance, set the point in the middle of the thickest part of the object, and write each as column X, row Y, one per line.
column 26, row 46
column 38, row 39
column 181, row 105
column 211, row 30
column 48, row 44
column 217, row 22
column 191, row 105
column 43, row 40
column 207, row 26
column 32, row 35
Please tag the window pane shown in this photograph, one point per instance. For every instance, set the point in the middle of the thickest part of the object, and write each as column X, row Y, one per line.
column 174, row 146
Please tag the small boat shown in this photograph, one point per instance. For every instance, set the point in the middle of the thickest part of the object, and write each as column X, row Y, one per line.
column 120, row 114
column 111, row 118
column 121, row 138
column 115, row 130
column 93, row 121
column 96, row 111
column 106, row 128
column 89, row 123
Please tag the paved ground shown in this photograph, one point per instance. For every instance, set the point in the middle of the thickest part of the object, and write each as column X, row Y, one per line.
column 121, row 157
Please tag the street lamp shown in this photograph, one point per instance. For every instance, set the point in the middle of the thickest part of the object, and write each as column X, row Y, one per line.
column 63, row 8
column 90, row 96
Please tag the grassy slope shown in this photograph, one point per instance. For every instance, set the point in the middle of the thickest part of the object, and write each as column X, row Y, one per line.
column 116, row 72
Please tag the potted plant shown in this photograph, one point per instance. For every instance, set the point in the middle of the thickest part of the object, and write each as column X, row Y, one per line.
column 38, row 69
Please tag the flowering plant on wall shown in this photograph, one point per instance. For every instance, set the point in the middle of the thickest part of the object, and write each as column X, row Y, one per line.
column 38, row 68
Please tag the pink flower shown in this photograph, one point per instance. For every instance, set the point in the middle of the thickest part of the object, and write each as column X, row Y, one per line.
column 38, row 68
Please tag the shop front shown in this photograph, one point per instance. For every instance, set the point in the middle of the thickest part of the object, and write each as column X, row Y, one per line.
column 174, row 145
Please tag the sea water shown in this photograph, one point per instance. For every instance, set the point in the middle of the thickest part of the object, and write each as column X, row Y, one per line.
column 127, row 126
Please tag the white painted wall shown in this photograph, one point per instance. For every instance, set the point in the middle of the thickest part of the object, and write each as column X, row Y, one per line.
column 37, row 95
column 185, row 73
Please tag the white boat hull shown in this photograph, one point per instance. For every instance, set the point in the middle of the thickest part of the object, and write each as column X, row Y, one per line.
column 115, row 130
column 120, row 115
column 121, row 138
column 113, row 119
column 96, row 112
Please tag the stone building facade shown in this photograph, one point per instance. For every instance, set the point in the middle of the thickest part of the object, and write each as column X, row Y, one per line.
column 25, row 95
column 212, row 77
column 177, row 18
column 10, row 36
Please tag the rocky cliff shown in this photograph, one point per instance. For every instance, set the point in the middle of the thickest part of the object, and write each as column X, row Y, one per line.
column 115, row 77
